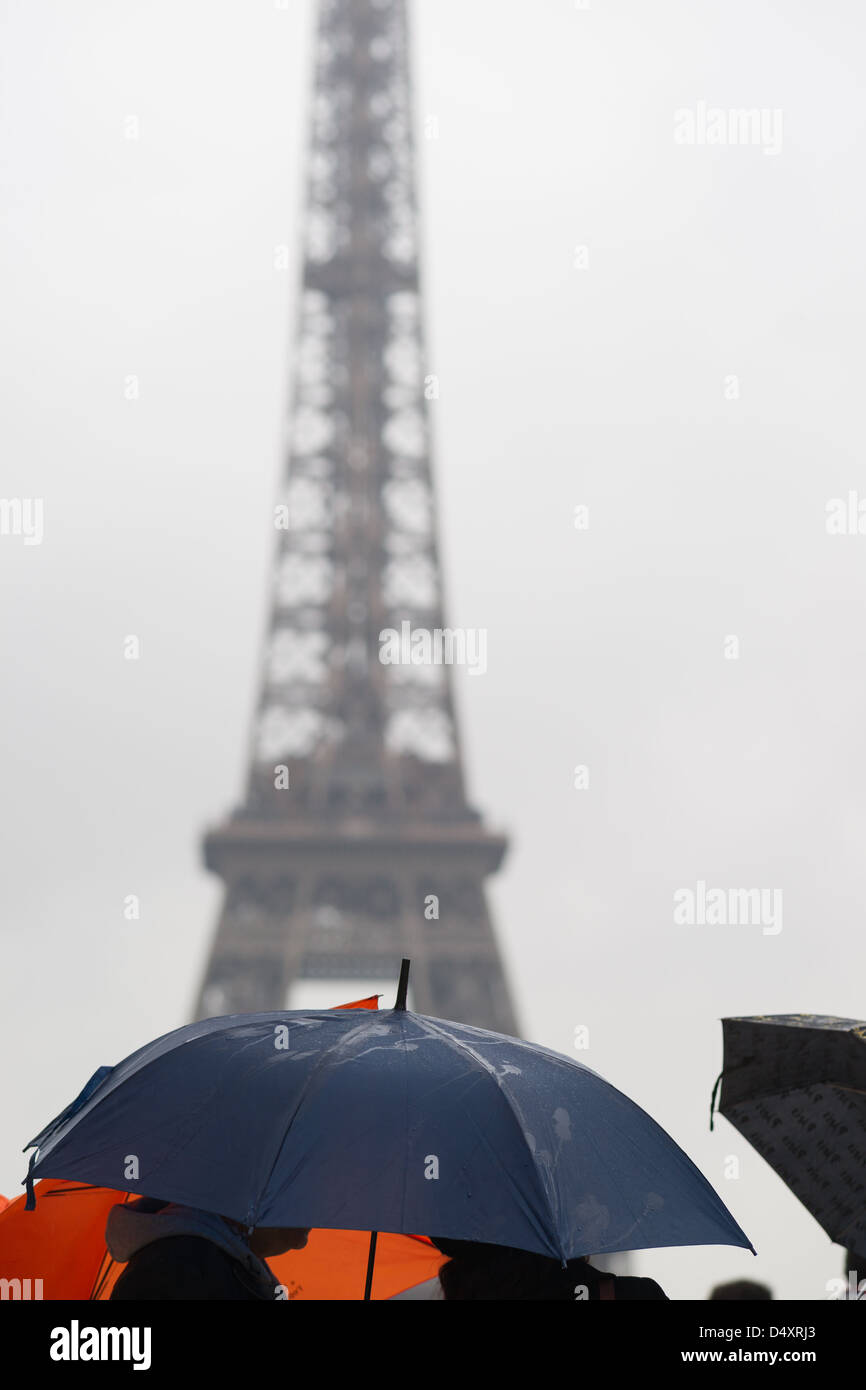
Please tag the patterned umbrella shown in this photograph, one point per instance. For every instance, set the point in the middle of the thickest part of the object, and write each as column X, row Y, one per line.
column 794, row 1085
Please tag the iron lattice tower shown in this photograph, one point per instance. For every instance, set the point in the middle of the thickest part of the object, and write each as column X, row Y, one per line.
column 330, row 876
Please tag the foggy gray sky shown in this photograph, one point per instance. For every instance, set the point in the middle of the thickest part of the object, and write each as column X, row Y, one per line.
column 559, row 386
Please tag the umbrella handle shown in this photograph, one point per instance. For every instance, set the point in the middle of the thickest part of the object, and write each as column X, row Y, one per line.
column 371, row 1258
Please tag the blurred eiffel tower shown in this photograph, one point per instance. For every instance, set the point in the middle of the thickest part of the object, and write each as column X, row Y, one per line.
column 355, row 844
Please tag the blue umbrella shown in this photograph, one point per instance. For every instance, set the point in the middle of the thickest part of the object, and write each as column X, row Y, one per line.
column 388, row 1122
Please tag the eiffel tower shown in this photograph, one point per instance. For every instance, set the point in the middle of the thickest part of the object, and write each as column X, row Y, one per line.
column 355, row 844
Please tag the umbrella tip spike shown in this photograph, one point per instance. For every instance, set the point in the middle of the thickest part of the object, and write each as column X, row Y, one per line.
column 30, row 1204
column 403, row 986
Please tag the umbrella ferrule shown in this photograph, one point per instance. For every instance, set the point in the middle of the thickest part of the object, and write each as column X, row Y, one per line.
column 402, row 987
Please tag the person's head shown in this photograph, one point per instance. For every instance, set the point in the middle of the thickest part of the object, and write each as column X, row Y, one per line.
column 271, row 1240
column 147, row 1206
column 481, row 1271
column 276, row 1240
column 742, row 1290
column 263, row 1241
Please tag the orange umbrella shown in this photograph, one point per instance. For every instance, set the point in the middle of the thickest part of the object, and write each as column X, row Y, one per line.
column 60, row 1247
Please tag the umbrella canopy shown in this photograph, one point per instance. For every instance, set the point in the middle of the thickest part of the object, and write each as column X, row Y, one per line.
column 387, row 1122
column 794, row 1085
column 65, row 1240
column 62, row 1245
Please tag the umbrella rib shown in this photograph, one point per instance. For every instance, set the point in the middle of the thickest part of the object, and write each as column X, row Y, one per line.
column 405, row 1164
column 467, row 1048
column 319, row 1062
